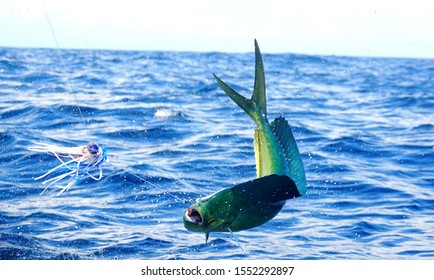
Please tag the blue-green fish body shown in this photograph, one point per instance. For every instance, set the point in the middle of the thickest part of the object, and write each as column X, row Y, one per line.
column 279, row 169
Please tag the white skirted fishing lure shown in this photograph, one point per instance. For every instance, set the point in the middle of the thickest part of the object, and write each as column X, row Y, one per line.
column 79, row 161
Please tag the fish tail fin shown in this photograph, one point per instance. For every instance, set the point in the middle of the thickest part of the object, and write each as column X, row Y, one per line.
column 259, row 96
column 256, row 107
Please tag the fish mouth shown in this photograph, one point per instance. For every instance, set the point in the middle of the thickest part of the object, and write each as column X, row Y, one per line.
column 192, row 215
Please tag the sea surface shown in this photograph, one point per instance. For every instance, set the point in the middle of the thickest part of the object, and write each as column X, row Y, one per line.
column 364, row 127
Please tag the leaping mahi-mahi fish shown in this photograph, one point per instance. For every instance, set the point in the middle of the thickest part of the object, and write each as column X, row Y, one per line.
column 279, row 169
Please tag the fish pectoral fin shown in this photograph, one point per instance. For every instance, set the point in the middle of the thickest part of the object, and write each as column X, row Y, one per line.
column 269, row 189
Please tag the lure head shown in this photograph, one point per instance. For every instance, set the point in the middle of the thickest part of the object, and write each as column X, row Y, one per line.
column 97, row 155
column 93, row 148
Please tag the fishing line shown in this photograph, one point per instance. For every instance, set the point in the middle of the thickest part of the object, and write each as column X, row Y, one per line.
column 158, row 187
column 79, row 161
column 236, row 240
column 71, row 88
column 80, row 169
column 89, row 157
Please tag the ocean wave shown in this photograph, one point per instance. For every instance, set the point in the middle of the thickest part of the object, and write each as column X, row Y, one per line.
column 364, row 127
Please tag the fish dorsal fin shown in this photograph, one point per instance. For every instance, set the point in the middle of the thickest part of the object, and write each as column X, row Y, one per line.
column 283, row 133
column 269, row 189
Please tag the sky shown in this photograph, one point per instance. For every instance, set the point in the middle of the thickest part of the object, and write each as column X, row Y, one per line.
column 379, row 28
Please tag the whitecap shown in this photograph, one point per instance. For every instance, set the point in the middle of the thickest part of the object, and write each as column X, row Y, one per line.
column 166, row 113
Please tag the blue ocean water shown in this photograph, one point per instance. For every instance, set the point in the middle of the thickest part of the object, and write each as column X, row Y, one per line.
column 364, row 127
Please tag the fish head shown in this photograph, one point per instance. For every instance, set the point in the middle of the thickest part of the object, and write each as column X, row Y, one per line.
column 242, row 206
column 205, row 214
column 194, row 219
